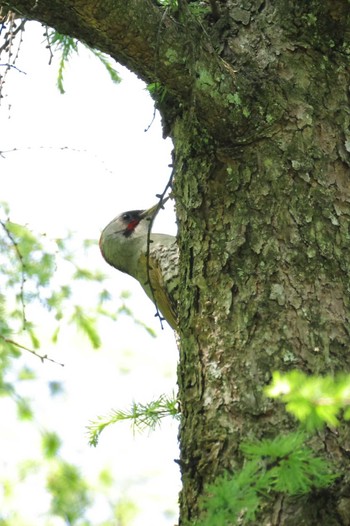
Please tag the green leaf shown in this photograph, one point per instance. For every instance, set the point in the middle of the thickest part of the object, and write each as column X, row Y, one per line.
column 87, row 274
column 105, row 60
column 26, row 374
column 50, row 443
column 34, row 339
column 314, row 401
column 87, row 324
column 283, row 464
column 24, row 410
column 230, row 497
column 66, row 46
column 69, row 493
column 55, row 334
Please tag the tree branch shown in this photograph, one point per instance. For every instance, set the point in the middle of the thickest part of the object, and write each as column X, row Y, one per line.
column 147, row 39
column 42, row 357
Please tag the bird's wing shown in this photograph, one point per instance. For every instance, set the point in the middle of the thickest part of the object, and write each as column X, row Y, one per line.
column 162, row 280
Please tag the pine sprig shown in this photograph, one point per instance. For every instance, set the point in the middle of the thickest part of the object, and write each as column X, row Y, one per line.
column 288, row 465
column 87, row 323
column 66, row 46
column 105, row 61
column 230, row 498
column 282, row 465
column 141, row 416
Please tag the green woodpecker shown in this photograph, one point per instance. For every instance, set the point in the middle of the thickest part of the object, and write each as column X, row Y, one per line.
column 126, row 245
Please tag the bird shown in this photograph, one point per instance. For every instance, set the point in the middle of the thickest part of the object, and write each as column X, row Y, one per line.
column 152, row 259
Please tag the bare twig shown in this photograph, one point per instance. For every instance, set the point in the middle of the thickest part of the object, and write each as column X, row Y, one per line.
column 22, row 266
column 42, row 357
column 10, row 35
column 12, row 66
column 7, row 45
column 48, row 46
column 58, row 148
column 162, row 199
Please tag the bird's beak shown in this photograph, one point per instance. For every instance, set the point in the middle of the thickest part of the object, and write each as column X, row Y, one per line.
column 153, row 211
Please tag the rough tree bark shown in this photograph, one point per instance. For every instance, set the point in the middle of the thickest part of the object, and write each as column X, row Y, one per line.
column 255, row 95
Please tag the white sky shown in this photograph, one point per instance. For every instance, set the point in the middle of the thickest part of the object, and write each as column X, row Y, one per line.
column 111, row 165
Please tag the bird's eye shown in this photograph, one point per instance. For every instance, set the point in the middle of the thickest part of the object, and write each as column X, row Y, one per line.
column 126, row 217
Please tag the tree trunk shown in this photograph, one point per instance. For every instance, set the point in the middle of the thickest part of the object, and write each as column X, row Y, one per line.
column 255, row 96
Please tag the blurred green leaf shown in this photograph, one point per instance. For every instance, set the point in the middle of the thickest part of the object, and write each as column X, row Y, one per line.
column 87, row 324
column 50, row 443
column 24, row 410
column 313, row 400
column 25, row 373
column 69, row 492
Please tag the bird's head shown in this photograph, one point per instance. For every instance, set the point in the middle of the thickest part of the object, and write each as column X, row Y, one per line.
column 131, row 224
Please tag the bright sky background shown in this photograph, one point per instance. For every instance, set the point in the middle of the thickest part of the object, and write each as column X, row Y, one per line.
column 110, row 165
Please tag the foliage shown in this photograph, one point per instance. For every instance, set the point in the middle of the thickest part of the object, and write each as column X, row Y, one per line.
column 40, row 273
column 194, row 8
column 157, row 91
column 142, row 416
column 44, row 279
column 105, row 61
column 66, row 46
column 125, row 511
column 28, row 266
column 283, row 464
column 172, row 4
column 60, row 45
column 313, row 400
column 50, row 443
column 70, row 495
